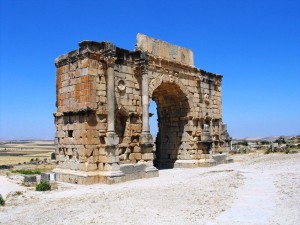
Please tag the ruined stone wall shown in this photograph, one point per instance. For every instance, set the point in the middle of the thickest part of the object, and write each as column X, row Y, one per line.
column 81, row 91
column 102, row 120
column 81, row 118
column 129, row 113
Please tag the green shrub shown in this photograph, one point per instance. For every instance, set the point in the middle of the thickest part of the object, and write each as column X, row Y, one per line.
column 2, row 201
column 287, row 151
column 27, row 172
column 264, row 142
column 43, row 186
column 244, row 143
column 53, row 157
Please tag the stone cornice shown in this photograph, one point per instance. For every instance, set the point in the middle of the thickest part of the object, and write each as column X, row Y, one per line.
column 109, row 54
column 74, row 112
column 88, row 49
column 159, row 62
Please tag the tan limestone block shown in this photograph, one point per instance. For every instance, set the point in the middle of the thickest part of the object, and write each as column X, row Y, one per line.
column 83, row 63
column 147, row 156
column 91, row 159
column 111, row 167
column 131, row 156
column 137, row 156
column 136, row 149
column 101, row 166
column 165, row 50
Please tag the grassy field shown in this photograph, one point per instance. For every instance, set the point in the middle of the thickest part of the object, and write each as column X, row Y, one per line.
column 18, row 152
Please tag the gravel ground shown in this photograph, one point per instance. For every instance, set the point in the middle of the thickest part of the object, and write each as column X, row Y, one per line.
column 256, row 189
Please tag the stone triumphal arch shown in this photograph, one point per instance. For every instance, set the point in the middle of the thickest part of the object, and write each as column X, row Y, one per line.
column 102, row 119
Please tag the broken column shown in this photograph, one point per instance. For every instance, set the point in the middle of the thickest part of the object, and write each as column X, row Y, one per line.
column 146, row 139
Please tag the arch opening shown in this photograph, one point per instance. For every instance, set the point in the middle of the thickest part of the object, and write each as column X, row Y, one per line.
column 172, row 109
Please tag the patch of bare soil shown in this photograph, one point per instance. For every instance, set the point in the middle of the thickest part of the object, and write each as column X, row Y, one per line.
column 257, row 189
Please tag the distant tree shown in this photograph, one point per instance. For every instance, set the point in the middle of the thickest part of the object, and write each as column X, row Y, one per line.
column 264, row 142
column 244, row 143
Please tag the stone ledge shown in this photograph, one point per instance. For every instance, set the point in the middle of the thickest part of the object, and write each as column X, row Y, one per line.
column 81, row 177
column 186, row 164
column 127, row 172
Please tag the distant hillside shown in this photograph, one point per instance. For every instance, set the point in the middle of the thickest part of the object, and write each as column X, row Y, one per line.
column 270, row 138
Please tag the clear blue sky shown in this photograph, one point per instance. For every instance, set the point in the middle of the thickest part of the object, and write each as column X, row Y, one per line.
column 255, row 45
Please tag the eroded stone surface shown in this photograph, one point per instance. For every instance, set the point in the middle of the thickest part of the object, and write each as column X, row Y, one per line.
column 102, row 118
column 165, row 50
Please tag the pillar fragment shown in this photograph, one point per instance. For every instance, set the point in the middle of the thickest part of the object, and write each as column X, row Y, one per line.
column 146, row 137
column 111, row 137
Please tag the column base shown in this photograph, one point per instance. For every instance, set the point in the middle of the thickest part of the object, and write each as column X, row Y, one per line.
column 92, row 177
column 127, row 172
column 186, row 164
column 138, row 171
column 151, row 172
column 111, row 139
column 207, row 162
column 222, row 158
column 146, row 139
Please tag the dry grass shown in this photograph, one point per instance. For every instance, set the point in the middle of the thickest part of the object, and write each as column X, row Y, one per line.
column 27, row 145
column 41, row 167
column 17, row 152
column 13, row 160
column 10, row 160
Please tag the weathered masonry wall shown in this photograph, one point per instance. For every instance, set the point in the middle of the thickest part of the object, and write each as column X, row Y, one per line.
column 102, row 118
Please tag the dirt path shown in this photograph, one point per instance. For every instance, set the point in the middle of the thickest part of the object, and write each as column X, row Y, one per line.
column 256, row 201
column 256, row 189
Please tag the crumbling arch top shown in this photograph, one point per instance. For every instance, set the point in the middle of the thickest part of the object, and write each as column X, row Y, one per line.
column 155, row 83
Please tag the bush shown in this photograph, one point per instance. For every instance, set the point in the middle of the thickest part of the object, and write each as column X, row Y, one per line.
column 53, row 157
column 264, row 142
column 27, row 172
column 43, row 186
column 2, row 201
column 243, row 143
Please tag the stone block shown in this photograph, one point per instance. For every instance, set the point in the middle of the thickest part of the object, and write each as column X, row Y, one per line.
column 101, row 166
column 137, row 156
column 30, row 179
column 165, row 50
column 112, row 159
column 139, row 167
column 147, row 156
column 83, row 72
column 90, row 159
column 48, row 177
column 136, row 149
column 91, row 167
column 111, row 167
column 127, row 168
